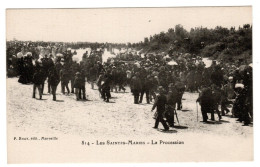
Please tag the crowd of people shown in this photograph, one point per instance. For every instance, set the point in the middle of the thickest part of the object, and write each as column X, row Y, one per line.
column 163, row 78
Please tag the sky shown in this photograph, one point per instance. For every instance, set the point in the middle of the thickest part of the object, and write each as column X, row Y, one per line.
column 116, row 25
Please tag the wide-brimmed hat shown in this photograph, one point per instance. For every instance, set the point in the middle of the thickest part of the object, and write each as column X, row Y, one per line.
column 239, row 85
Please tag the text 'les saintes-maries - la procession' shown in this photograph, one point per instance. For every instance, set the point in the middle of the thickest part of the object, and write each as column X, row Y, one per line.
column 162, row 73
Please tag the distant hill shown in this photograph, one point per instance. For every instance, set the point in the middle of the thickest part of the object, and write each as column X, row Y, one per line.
column 218, row 43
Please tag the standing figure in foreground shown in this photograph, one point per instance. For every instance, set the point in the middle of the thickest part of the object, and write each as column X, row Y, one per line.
column 160, row 103
column 38, row 79
column 82, row 90
column 54, row 80
column 145, row 89
column 77, row 85
column 106, row 86
column 136, row 87
column 171, row 104
column 64, row 77
column 180, row 89
column 205, row 100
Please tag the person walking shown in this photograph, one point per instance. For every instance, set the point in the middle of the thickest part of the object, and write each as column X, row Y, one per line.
column 160, row 103
column 54, row 80
column 64, row 77
column 136, row 87
column 171, row 104
column 77, row 84
column 38, row 79
column 205, row 100
column 106, row 86
column 145, row 89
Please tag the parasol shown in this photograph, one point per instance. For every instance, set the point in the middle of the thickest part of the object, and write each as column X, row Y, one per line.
column 137, row 64
column 59, row 55
column 172, row 63
column 28, row 54
column 19, row 55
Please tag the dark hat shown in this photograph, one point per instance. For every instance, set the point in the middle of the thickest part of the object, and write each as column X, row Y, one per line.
column 171, row 85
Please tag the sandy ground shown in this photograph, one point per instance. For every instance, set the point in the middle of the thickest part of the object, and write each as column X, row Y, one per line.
column 74, row 121
column 119, row 117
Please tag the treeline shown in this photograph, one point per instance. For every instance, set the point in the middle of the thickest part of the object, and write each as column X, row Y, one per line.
column 73, row 45
column 218, row 43
column 78, row 45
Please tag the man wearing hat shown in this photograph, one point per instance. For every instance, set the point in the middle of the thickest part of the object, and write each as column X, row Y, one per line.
column 114, row 79
column 171, row 104
column 145, row 89
column 53, row 80
column 180, row 89
column 65, row 77
column 217, row 76
column 205, row 100
column 136, row 87
column 106, row 86
column 82, row 89
column 160, row 103
column 121, row 79
column 77, row 84
column 100, row 68
column 38, row 79
column 45, row 65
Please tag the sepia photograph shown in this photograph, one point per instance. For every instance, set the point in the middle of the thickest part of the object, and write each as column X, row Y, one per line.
column 165, row 84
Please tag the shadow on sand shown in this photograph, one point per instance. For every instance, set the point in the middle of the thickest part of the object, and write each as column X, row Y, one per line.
column 180, row 127
column 224, row 121
column 59, row 100
column 185, row 110
column 168, row 131
column 111, row 102
column 41, row 99
column 212, row 122
column 85, row 100
column 122, row 92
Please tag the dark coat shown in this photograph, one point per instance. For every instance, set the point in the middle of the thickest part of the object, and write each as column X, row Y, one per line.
column 172, row 97
column 160, row 103
column 53, row 77
column 64, row 76
column 136, row 84
column 77, row 82
column 38, row 77
column 146, row 85
column 107, row 82
column 205, row 97
column 217, row 78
